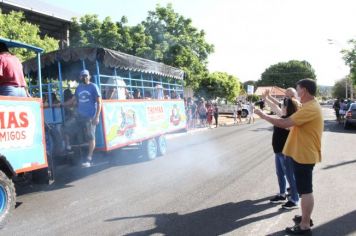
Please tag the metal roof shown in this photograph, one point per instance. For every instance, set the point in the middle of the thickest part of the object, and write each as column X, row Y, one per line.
column 14, row 44
column 41, row 8
column 108, row 57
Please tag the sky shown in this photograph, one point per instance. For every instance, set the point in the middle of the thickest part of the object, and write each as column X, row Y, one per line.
column 251, row 35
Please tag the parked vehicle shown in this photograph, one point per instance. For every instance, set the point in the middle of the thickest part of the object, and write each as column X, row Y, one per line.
column 229, row 109
column 350, row 116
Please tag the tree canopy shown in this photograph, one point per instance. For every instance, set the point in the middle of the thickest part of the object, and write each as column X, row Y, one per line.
column 219, row 85
column 339, row 89
column 350, row 59
column 164, row 36
column 13, row 26
column 286, row 74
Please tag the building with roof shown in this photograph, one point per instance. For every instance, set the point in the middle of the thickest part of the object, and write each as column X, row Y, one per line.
column 52, row 21
column 275, row 91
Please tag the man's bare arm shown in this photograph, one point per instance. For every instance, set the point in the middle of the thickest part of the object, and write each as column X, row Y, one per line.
column 279, row 122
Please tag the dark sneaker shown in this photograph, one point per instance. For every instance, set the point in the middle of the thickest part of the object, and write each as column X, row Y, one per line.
column 297, row 219
column 296, row 230
column 278, row 199
column 290, row 205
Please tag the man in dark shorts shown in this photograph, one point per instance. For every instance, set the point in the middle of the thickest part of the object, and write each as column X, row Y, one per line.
column 304, row 146
column 88, row 100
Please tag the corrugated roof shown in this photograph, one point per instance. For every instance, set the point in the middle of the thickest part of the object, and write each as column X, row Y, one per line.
column 274, row 90
column 42, row 8
column 109, row 58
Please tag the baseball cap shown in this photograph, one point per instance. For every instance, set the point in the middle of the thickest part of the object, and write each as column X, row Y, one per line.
column 84, row 72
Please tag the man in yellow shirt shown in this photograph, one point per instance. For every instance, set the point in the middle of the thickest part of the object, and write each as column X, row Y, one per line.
column 304, row 146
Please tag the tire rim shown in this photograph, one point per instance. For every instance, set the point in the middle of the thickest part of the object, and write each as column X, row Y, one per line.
column 162, row 145
column 152, row 149
column 3, row 199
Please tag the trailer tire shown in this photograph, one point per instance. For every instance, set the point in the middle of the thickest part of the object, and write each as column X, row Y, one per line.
column 7, row 198
column 162, row 145
column 150, row 149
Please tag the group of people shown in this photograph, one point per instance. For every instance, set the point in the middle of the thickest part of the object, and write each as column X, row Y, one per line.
column 201, row 113
column 297, row 145
column 340, row 107
column 117, row 89
column 237, row 114
column 87, row 97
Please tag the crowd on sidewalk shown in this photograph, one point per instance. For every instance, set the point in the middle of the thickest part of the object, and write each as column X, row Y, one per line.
column 202, row 114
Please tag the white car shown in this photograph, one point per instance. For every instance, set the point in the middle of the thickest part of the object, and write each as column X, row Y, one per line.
column 229, row 109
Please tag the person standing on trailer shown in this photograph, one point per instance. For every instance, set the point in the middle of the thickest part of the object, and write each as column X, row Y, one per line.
column 88, row 99
column 12, row 81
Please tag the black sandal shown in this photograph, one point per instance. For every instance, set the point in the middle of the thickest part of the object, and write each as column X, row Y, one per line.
column 296, row 230
column 297, row 219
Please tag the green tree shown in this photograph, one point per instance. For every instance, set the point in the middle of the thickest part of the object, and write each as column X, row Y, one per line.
column 14, row 26
column 350, row 59
column 219, row 85
column 286, row 74
column 176, row 42
column 86, row 31
column 339, row 89
column 164, row 36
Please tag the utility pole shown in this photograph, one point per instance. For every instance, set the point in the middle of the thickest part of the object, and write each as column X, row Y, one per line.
column 346, row 90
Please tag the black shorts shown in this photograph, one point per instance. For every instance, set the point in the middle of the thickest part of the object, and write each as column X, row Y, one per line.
column 303, row 177
column 239, row 113
column 81, row 124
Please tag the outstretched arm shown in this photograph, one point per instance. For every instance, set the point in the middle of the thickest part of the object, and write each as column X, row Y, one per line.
column 279, row 122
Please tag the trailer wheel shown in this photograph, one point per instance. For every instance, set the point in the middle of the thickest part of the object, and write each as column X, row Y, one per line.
column 7, row 198
column 150, row 149
column 162, row 145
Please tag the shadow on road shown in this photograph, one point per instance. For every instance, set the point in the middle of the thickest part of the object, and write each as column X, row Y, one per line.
column 344, row 225
column 339, row 164
column 66, row 173
column 211, row 221
column 263, row 129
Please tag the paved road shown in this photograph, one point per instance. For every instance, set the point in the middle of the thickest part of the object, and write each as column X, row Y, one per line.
column 211, row 182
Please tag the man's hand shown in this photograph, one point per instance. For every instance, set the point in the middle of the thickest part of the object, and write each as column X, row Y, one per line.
column 259, row 113
column 95, row 121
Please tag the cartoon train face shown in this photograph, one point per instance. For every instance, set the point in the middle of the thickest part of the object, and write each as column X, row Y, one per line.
column 128, row 123
column 175, row 116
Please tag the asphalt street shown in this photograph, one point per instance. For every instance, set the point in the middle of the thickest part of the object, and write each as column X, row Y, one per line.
column 211, row 182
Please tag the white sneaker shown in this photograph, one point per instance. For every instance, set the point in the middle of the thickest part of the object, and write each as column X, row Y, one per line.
column 86, row 164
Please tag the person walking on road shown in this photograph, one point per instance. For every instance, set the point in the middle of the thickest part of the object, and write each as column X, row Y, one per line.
column 210, row 114
column 304, row 146
column 216, row 115
column 239, row 111
column 336, row 107
column 251, row 112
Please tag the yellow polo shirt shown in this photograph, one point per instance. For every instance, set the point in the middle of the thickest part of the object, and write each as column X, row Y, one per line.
column 304, row 140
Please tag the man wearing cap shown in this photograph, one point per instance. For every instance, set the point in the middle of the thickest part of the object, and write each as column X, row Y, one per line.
column 12, row 81
column 88, row 100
